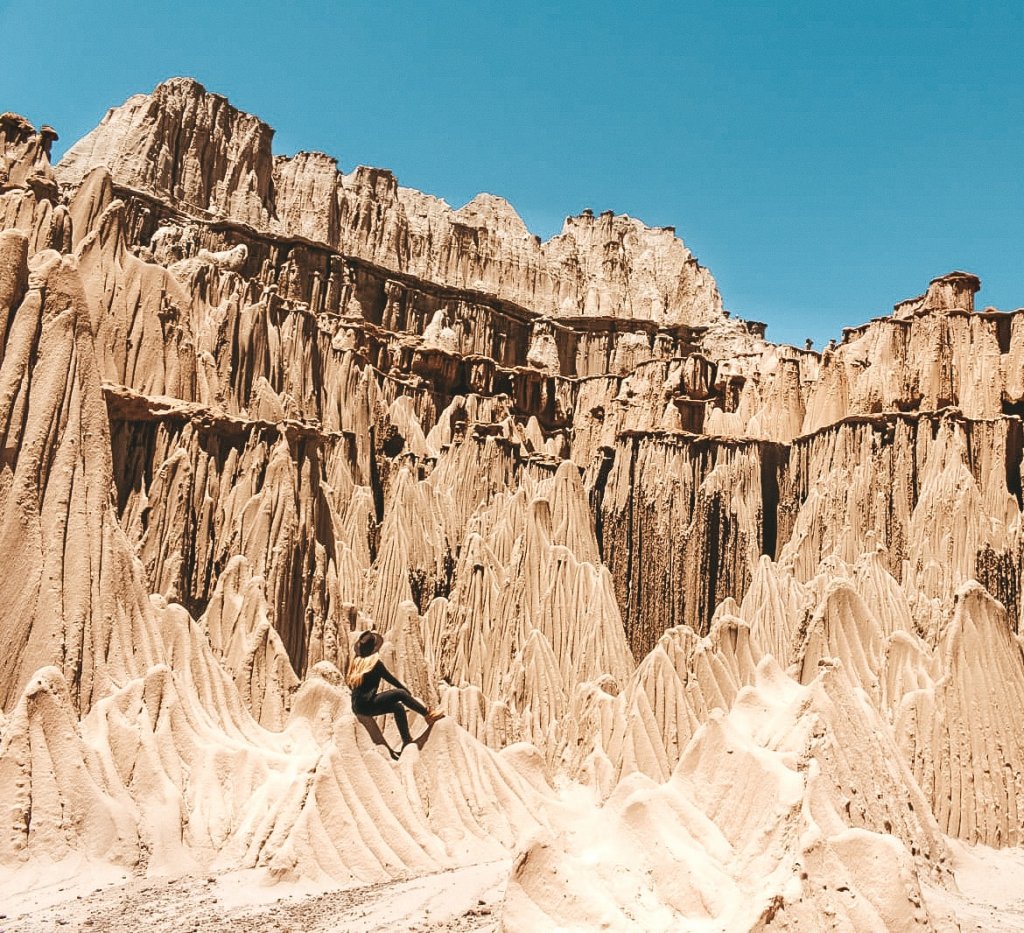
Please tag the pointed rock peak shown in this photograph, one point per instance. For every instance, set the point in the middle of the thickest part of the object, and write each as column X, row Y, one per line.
column 567, row 474
column 182, row 88
column 93, row 197
column 728, row 608
column 538, row 525
column 657, row 662
column 977, row 611
column 106, row 233
column 492, row 213
column 475, row 551
column 538, row 646
column 182, row 83
column 200, row 152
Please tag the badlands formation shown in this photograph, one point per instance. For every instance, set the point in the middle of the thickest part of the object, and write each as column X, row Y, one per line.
column 727, row 632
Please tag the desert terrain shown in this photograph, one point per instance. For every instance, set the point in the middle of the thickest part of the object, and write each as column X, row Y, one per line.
column 727, row 632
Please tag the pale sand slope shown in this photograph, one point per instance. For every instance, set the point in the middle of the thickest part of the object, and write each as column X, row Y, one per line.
column 461, row 899
column 990, row 885
column 988, row 898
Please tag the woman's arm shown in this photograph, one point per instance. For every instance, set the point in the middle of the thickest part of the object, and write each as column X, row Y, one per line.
column 390, row 678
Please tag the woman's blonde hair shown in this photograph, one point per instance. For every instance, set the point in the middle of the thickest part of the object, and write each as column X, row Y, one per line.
column 359, row 667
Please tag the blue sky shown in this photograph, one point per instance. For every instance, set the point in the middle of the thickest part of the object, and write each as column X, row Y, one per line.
column 823, row 160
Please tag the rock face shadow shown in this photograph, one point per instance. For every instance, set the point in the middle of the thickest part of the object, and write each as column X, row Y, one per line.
column 421, row 739
column 369, row 723
column 376, row 734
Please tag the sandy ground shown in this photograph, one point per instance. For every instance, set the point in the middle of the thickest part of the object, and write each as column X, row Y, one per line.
column 991, row 890
column 460, row 900
column 990, row 898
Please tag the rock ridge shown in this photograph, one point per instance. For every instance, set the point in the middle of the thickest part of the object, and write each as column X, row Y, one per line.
column 753, row 610
column 187, row 145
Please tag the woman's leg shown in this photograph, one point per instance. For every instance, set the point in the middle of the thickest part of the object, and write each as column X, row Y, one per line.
column 402, row 721
column 391, row 698
column 391, row 701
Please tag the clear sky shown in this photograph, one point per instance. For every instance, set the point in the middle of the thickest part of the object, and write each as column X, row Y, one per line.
column 824, row 160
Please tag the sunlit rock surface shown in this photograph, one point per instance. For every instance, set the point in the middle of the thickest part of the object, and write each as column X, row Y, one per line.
column 727, row 632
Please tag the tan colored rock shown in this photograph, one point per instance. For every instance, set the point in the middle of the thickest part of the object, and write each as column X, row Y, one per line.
column 215, row 161
column 754, row 610
column 184, row 143
column 953, row 290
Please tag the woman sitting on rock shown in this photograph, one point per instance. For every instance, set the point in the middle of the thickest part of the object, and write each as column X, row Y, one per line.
column 365, row 672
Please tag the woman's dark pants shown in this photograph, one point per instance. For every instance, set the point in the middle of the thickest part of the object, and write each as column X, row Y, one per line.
column 391, row 701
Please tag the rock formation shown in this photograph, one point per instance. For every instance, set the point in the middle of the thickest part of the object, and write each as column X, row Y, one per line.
column 728, row 633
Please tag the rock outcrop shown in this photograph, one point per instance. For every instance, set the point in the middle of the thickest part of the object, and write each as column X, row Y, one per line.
column 191, row 147
column 752, row 610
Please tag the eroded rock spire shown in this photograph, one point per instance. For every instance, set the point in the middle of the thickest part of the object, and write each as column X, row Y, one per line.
column 756, row 606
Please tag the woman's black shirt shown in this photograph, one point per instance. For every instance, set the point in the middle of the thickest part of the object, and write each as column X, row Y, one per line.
column 364, row 693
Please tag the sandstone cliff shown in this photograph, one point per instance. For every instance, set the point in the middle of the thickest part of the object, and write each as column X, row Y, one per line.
column 213, row 161
column 762, row 604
